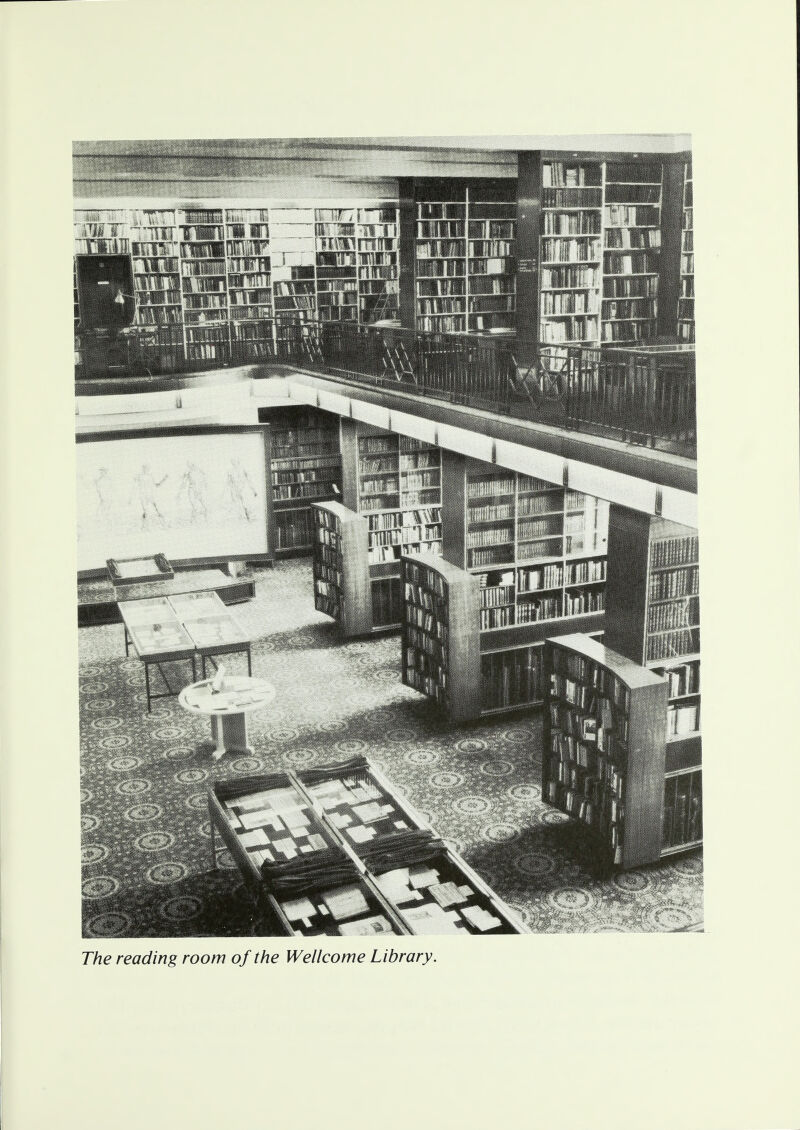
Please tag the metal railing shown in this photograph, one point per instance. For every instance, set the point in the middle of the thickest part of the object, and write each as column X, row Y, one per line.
column 643, row 395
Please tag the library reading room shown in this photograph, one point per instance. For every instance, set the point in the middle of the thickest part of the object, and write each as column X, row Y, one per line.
column 388, row 570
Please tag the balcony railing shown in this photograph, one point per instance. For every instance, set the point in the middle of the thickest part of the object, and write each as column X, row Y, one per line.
column 642, row 395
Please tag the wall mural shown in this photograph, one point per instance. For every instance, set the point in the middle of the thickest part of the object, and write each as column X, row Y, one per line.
column 185, row 496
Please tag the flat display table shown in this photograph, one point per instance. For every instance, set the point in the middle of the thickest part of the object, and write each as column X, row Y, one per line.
column 228, row 709
column 212, row 627
column 158, row 637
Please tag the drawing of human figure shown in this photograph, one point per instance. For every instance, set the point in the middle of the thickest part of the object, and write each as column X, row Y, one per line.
column 238, row 485
column 146, row 486
column 194, row 483
column 102, row 486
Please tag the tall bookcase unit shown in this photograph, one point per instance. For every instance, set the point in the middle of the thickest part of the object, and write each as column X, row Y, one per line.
column 293, row 254
column 336, row 264
column 204, row 282
column 464, row 248
column 653, row 618
column 247, row 257
column 378, row 268
column 571, row 252
column 306, row 467
column 631, row 250
column 537, row 552
column 603, row 748
column 686, row 293
column 441, row 605
column 395, row 482
column 597, row 246
column 341, row 573
column 156, row 273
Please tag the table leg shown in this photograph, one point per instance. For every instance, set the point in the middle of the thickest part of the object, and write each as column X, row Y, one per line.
column 127, row 641
column 147, row 685
column 249, row 664
column 230, row 734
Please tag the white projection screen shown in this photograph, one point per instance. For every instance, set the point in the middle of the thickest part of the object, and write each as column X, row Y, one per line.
column 199, row 495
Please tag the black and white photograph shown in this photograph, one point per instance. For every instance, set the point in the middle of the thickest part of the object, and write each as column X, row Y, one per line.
column 387, row 537
column 353, row 520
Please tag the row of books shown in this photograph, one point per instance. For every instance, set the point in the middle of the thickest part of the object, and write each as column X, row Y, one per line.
column 580, row 329
column 593, row 677
column 570, row 302
column 634, row 264
column 649, row 238
column 570, row 250
column 572, row 197
column 683, row 719
column 511, row 678
column 400, row 536
column 674, row 551
column 154, row 248
column 633, row 194
column 682, row 813
column 673, row 644
column 562, row 174
column 571, row 223
column 415, row 517
column 682, row 612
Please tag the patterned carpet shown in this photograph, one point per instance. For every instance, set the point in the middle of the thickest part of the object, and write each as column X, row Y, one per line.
column 147, row 867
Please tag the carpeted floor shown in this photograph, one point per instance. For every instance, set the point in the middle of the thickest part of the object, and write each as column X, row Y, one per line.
column 147, row 867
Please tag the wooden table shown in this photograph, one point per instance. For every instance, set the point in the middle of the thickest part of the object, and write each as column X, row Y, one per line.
column 228, row 709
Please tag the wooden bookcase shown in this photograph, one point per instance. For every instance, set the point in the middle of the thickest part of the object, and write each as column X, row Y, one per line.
column 395, row 482
column 631, row 250
column 248, row 264
column 306, row 468
column 603, row 748
column 156, row 276
column 571, row 251
column 204, row 282
column 101, row 231
column 378, row 268
column 341, row 573
column 686, row 292
column 537, row 553
column 293, row 259
column 336, row 264
column 653, row 618
column 597, row 247
column 464, row 248
column 441, row 655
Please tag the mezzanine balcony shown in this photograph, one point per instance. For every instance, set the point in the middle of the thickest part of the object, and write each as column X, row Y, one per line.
column 641, row 396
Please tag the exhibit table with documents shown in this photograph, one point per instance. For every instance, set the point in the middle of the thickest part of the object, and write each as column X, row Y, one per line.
column 334, row 851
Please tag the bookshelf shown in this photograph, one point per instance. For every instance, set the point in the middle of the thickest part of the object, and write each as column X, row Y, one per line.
column 204, row 294
column 101, row 231
column 306, row 468
column 686, row 292
column 395, row 482
column 341, row 572
column 653, row 617
column 293, row 256
column 336, row 264
column 156, row 274
column 538, row 553
column 571, row 252
column 441, row 608
column 603, row 748
column 378, row 267
column 491, row 263
column 248, row 265
column 464, row 256
column 440, row 254
column 631, row 250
